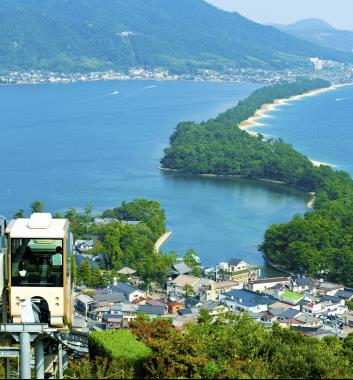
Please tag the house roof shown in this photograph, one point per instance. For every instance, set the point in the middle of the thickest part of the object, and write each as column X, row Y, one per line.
column 303, row 302
column 329, row 285
column 191, row 302
column 332, row 299
column 225, row 284
column 125, row 307
column 248, row 298
column 344, row 293
column 181, row 268
column 183, row 280
column 234, row 261
column 185, row 312
column 154, row 302
column 175, row 303
column 85, row 299
column 306, row 318
column 291, row 297
column 149, row 309
column 304, row 281
column 112, row 297
column 290, row 313
column 125, row 288
column 126, row 271
column 112, row 318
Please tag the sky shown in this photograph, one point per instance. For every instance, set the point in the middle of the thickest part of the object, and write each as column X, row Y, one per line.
column 339, row 13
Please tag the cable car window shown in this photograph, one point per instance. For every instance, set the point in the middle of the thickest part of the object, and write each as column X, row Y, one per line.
column 37, row 262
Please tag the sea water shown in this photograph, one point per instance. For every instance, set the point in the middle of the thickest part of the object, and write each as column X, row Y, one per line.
column 101, row 142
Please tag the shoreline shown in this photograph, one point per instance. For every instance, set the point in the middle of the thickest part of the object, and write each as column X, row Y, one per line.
column 262, row 113
column 162, row 240
column 209, row 175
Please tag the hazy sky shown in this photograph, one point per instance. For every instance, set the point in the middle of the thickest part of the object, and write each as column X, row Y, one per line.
column 338, row 13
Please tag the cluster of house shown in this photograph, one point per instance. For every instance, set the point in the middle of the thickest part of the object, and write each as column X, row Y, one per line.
column 315, row 308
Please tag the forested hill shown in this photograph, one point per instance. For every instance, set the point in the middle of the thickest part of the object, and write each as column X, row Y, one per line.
column 320, row 243
column 180, row 35
column 219, row 147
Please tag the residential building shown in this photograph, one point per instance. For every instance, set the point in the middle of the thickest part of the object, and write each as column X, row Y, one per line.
column 237, row 270
column 180, row 269
column 131, row 293
column 211, row 291
column 246, row 300
column 301, row 284
column 174, row 307
column 328, row 288
column 83, row 303
column 267, row 283
column 184, row 284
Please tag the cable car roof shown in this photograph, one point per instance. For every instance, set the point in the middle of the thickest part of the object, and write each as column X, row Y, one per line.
column 39, row 226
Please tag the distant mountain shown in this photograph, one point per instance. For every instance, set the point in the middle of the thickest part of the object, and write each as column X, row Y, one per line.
column 320, row 32
column 308, row 24
column 181, row 35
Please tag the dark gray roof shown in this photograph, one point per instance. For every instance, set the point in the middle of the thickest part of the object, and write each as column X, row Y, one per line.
column 124, row 288
column 181, row 268
column 149, row 309
column 303, row 302
column 209, row 305
column 344, row 293
column 115, row 297
column 184, row 312
column 248, row 298
column 290, row 313
column 332, row 299
column 304, row 281
column 234, row 261
column 189, row 302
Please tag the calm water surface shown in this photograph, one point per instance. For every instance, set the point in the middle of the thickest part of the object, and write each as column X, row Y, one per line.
column 321, row 127
column 102, row 141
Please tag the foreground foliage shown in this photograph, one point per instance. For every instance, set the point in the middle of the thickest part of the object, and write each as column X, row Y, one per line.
column 236, row 347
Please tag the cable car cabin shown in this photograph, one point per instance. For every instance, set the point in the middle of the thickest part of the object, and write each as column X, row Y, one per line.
column 39, row 253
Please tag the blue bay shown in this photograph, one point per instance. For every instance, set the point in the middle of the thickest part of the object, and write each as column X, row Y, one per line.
column 101, row 142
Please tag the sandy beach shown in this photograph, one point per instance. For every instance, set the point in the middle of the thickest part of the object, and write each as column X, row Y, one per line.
column 255, row 120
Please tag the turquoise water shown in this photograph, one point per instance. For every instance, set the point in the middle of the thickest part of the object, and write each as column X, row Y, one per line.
column 320, row 126
column 101, row 142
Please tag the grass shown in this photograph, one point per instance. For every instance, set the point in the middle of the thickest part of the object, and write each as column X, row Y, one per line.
column 118, row 344
column 292, row 296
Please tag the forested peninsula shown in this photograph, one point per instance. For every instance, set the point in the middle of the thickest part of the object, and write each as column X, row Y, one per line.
column 319, row 243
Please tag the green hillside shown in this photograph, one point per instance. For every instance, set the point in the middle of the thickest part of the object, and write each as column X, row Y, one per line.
column 181, row 35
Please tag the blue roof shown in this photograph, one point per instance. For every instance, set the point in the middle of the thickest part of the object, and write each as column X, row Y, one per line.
column 290, row 313
column 303, row 281
column 248, row 298
column 125, row 288
column 344, row 294
column 332, row 299
column 184, row 312
column 148, row 309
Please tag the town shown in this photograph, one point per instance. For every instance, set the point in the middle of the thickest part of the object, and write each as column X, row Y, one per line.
column 335, row 72
column 313, row 307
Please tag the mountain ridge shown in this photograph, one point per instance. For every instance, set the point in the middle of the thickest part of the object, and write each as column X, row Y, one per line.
column 319, row 32
column 180, row 35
